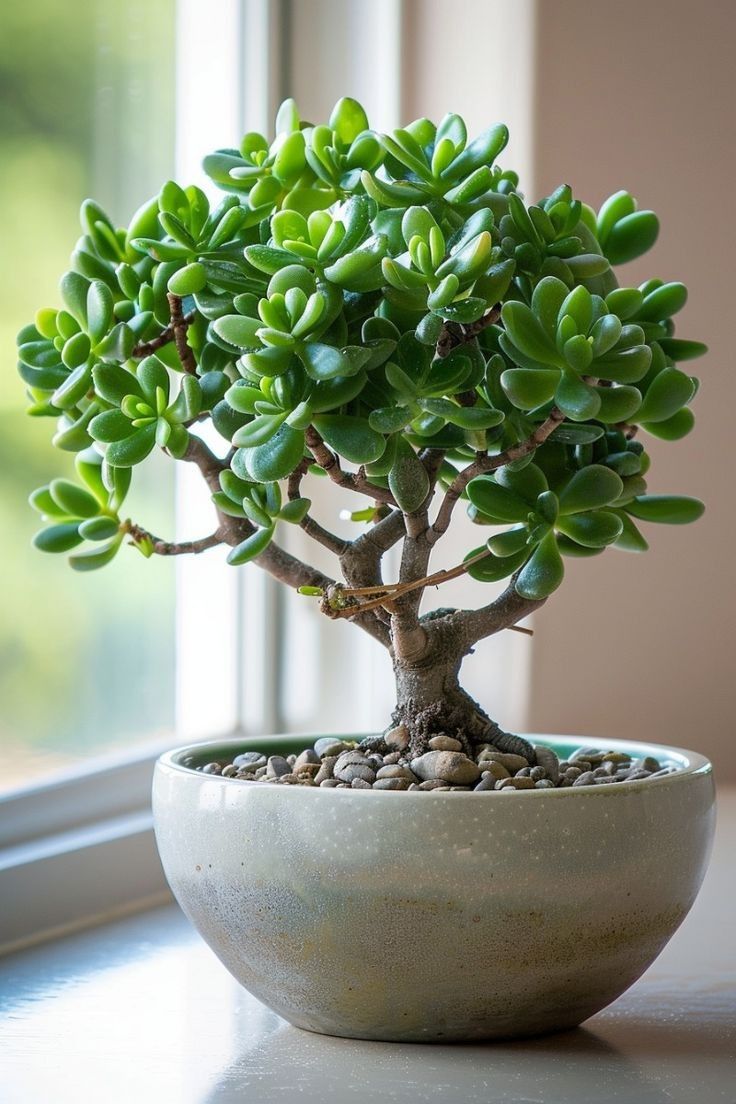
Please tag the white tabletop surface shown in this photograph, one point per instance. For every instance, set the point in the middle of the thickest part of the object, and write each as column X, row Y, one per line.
column 141, row 1011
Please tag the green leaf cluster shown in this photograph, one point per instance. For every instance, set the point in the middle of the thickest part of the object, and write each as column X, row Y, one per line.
column 385, row 293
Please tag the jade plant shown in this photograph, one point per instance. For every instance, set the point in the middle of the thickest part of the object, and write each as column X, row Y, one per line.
column 387, row 312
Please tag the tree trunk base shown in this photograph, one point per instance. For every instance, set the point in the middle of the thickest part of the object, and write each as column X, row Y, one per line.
column 458, row 716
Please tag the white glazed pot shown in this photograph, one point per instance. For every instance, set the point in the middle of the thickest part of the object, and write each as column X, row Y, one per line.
column 420, row 916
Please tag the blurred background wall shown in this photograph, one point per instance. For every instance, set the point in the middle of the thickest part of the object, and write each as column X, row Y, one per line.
column 642, row 96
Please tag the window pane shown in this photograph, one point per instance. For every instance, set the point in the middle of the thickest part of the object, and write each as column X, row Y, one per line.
column 86, row 661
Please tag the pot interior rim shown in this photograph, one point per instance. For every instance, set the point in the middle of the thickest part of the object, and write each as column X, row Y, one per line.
column 688, row 762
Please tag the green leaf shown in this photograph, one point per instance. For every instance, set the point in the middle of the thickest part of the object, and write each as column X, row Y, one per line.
column 74, row 288
column 99, row 310
column 674, row 428
column 351, row 438
column 95, row 558
column 251, row 547
column 260, row 430
column 113, row 383
column 276, row 458
column 663, row 302
column 527, row 334
column 618, row 404
column 494, row 568
column 348, row 120
column 667, row 509
column 528, row 483
column 99, row 528
column 188, row 280
column 110, row 426
column 666, row 394
column 593, row 530
column 528, row 388
column 238, row 330
column 577, row 399
column 543, row 572
column 295, row 511
column 590, row 488
column 72, row 499
column 58, row 538
column 408, row 480
column 631, row 236
column 495, row 501
column 133, row 449
column 682, row 350
column 630, row 539
column 323, row 362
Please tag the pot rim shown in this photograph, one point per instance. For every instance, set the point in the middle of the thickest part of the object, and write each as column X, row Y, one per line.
column 689, row 763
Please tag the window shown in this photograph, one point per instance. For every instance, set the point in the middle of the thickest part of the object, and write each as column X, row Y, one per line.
column 86, row 109
column 198, row 648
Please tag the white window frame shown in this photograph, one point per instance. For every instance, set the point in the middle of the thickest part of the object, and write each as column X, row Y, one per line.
column 79, row 847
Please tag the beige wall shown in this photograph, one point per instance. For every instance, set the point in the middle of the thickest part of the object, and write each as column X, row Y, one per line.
column 641, row 95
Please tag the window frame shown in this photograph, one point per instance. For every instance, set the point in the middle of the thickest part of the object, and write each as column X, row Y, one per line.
column 79, row 847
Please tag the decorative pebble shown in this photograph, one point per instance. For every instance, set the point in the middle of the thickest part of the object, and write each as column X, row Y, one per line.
column 276, row 766
column 250, row 759
column 444, row 767
column 306, row 758
column 329, row 745
column 585, row 779
column 397, row 738
column 511, row 762
column 451, row 766
column 393, row 770
column 547, row 759
column 353, row 771
column 445, row 743
column 494, row 769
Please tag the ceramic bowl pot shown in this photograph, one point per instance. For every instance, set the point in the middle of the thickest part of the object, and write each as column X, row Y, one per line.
column 420, row 916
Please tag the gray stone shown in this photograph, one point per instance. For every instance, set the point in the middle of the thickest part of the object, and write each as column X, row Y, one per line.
column 250, row 760
column 486, row 782
column 450, row 766
column 276, row 766
column 392, row 770
column 433, row 784
column 393, row 784
column 397, row 738
column 212, row 768
column 360, row 784
column 305, row 758
column 392, row 757
column 329, row 782
column 548, row 759
column 352, row 771
column 229, row 770
column 326, row 769
column 647, row 763
column 544, row 784
column 495, row 770
column 587, row 778
column 329, row 745
column 445, row 743
column 513, row 763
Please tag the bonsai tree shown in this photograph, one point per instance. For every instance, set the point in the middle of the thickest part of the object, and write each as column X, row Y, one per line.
column 388, row 312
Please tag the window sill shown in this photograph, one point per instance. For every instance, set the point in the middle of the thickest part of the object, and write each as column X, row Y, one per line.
column 77, row 1009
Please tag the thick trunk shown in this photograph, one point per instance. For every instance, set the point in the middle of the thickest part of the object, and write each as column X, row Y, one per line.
column 431, row 702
